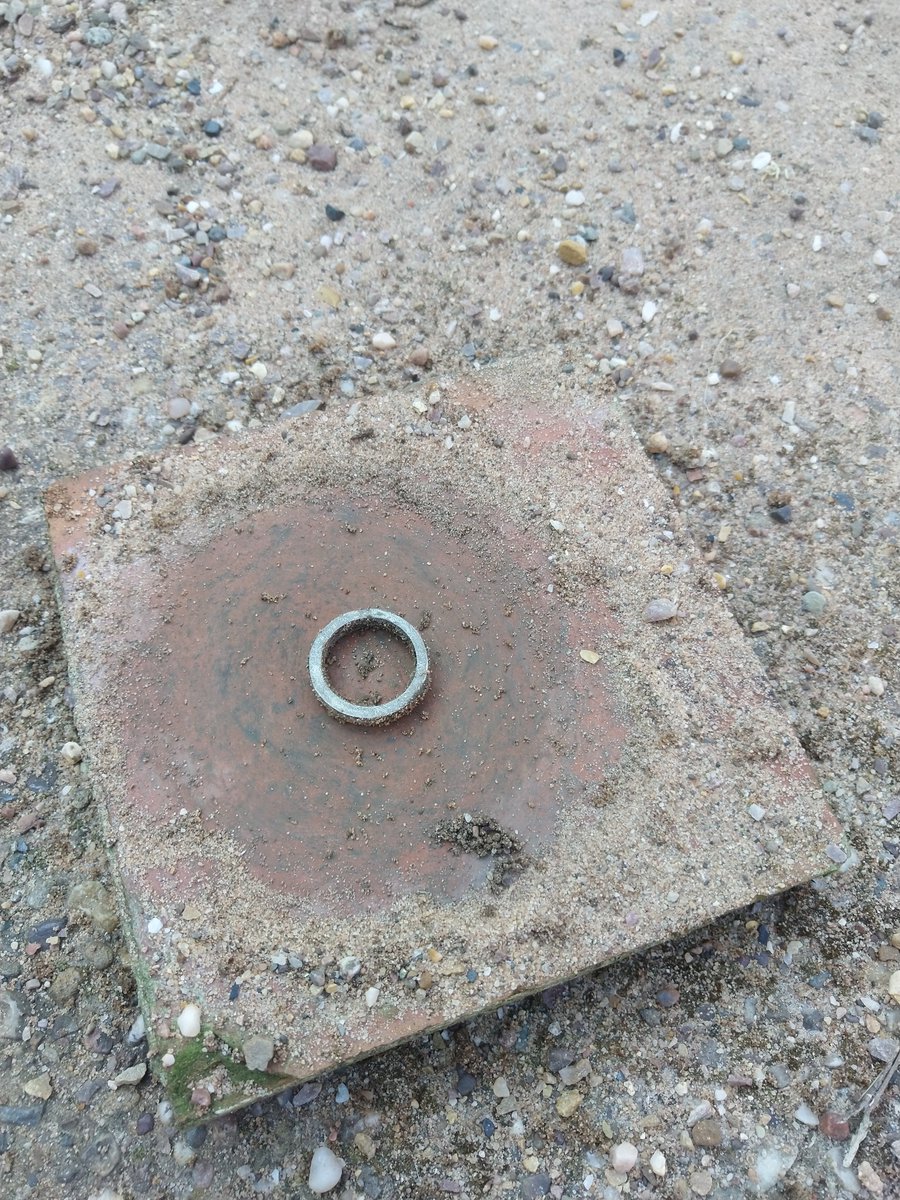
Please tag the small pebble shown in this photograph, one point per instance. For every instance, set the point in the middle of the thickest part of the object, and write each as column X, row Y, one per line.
column 189, row 1021
column 805, row 1115
column 182, row 1153
column 333, row 213
column 656, row 443
column 658, row 1163
column 321, row 158
column 131, row 1076
column 71, row 753
column 834, row 1126
column 814, row 602
column 648, row 311
column 486, row 42
column 8, row 618
column 573, row 251
column 701, row 1183
column 349, row 966
column 660, row 610
column 8, row 460
column 707, row 1133
column 325, row 1171
column 258, row 1052
column 568, row 1102
column 574, row 199
column 623, row 1157
column 730, row 369
column 382, row 340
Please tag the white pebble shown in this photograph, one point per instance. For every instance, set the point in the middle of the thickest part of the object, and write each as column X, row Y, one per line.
column 71, row 753
column 876, row 685
column 123, row 510
column 372, row 995
column 8, row 618
column 761, row 161
column 260, row 370
column 382, row 340
column 325, row 1170
column 189, row 1021
column 880, row 259
column 894, row 986
column 614, row 328
column 574, row 199
column 658, row 1163
column 154, row 925
column 623, row 1157
column 137, row 1031
column 649, row 311
column 756, row 811
column 817, row 243
column 660, row 610
column 805, row 1115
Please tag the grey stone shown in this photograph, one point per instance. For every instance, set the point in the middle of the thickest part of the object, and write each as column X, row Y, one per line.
column 258, row 1052
column 26, row 1114
column 814, row 602
column 10, row 1017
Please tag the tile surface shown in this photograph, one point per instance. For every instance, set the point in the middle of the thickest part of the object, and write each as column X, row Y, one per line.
column 537, row 815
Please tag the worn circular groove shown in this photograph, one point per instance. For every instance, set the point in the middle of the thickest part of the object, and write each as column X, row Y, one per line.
column 368, row 714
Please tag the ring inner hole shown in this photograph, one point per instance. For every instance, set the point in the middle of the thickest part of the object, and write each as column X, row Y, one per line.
column 370, row 666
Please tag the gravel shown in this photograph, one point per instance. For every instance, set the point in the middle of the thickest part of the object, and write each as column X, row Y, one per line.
column 749, row 335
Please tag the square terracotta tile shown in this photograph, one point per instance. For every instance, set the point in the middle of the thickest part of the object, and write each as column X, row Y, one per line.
column 577, row 783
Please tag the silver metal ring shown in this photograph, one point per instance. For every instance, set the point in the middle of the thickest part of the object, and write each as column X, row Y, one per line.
column 368, row 714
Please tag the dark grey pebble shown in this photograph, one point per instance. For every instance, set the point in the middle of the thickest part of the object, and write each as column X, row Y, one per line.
column 466, row 1083
column 144, row 1124
column 86, row 1092
column 52, row 927
column 534, row 1186
column 26, row 1114
column 196, row 1136
column 333, row 213
column 560, row 1057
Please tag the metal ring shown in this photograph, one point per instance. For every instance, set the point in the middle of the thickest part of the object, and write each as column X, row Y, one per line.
column 368, row 714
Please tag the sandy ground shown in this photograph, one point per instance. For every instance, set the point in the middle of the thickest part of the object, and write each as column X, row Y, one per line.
column 732, row 175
